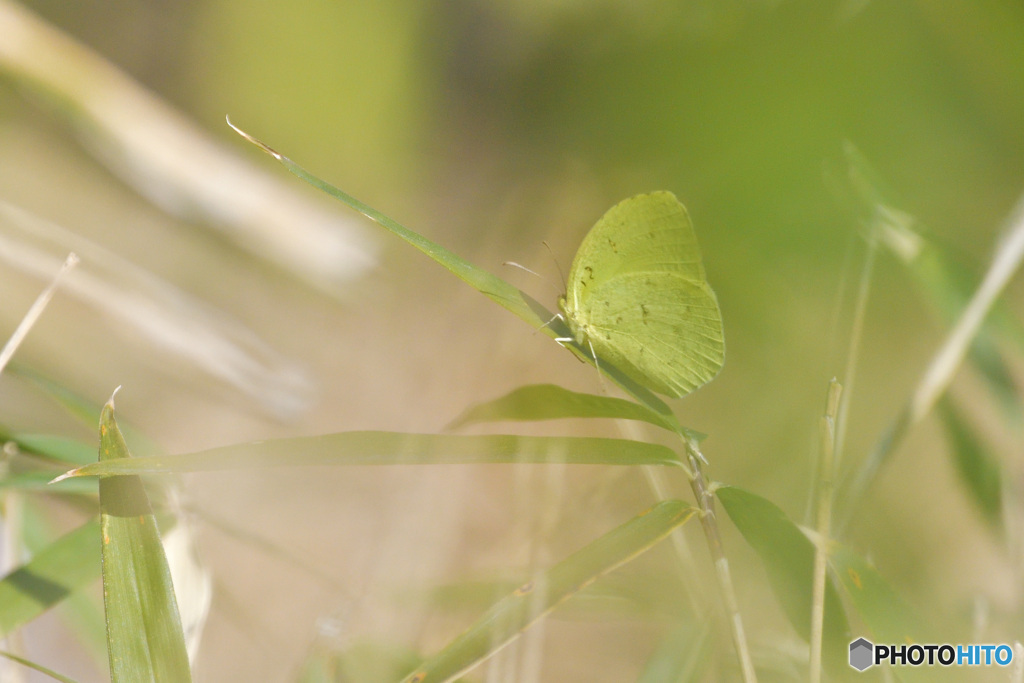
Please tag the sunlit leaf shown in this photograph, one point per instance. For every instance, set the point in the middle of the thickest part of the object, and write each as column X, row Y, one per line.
column 144, row 635
column 552, row 402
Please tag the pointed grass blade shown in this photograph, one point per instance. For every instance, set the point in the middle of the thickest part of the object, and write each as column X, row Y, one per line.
column 144, row 635
column 62, row 568
column 552, row 402
column 788, row 558
column 509, row 617
column 394, row 448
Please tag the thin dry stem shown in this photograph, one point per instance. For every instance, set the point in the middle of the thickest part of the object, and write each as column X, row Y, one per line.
column 709, row 522
column 826, row 469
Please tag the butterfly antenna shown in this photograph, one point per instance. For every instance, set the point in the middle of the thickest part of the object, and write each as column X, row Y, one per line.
column 535, row 274
column 558, row 266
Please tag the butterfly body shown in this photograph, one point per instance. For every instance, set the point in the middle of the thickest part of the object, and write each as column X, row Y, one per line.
column 638, row 297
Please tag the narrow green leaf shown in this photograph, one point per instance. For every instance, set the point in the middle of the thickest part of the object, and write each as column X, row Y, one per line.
column 681, row 657
column 41, row 481
column 788, row 558
column 144, row 635
column 395, row 448
column 551, row 402
column 55, row 572
column 978, row 468
column 622, row 595
column 889, row 618
column 513, row 614
column 517, row 302
column 37, row 667
column 82, row 610
column 362, row 661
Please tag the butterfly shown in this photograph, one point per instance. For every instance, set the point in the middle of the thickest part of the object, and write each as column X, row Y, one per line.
column 638, row 297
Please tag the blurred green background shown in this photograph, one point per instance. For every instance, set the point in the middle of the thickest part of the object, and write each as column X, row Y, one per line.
column 491, row 127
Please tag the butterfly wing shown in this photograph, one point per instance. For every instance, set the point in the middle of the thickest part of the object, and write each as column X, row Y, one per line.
column 649, row 233
column 638, row 294
column 662, row 329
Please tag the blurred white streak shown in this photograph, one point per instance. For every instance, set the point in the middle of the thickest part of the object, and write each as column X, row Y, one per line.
column 1005, row 264
column 175, row 164
column 192, row 580
column 140, row 303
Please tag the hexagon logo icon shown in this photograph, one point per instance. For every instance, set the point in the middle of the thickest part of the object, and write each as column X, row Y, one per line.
column 861, row 654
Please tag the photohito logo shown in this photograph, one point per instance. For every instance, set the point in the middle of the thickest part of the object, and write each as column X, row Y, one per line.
column 865, row 654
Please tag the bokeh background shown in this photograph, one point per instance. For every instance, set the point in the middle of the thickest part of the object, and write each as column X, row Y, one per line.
column 492, row 128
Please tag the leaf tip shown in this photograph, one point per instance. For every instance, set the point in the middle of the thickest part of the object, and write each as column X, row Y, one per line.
column 266, row 148
column 66, row 475
column 109, row 406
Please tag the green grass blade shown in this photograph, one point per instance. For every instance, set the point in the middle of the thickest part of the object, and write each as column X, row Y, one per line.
column 59, row 448
column 622, row 595
column 362, row 661
column 82, row 409
column 788, row 558
column 144, row 635
column 513, row 614
column 63, row 567
column 395, row 448
column 979, row 468
column 501, row 292
column 37, row 667
column 40, row 481
column 551, row 402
